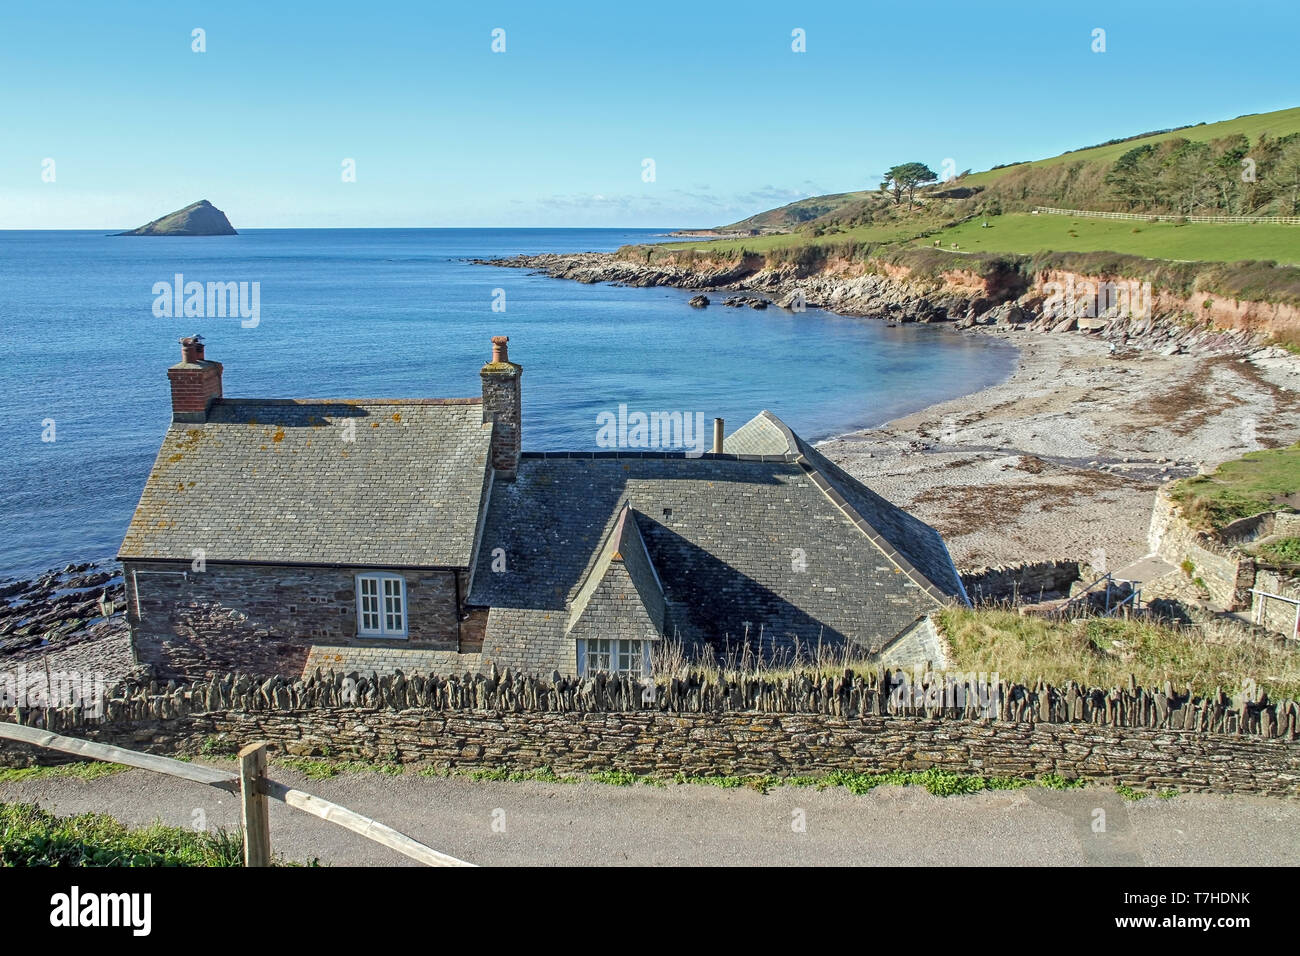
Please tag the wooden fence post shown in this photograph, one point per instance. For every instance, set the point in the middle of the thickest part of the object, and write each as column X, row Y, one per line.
column 253, row 805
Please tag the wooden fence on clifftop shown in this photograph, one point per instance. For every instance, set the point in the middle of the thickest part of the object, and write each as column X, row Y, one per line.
column 1163, row 217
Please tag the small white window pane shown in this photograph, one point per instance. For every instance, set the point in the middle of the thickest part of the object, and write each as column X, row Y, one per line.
column 393, row 605
column 369, row 609
column 598, row 653
column 629, row 658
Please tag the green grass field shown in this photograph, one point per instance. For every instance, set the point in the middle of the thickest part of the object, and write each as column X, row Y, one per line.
column 1025, row 233
column 1278, row 123
column 881, row 232
column 1255, row 482
column 1198, row 241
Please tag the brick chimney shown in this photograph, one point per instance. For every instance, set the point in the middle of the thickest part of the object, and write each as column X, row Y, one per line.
column 196, row 382
column 501, row 407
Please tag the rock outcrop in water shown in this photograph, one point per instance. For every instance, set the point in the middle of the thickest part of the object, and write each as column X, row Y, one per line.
column 57, row 606
column 197, row 219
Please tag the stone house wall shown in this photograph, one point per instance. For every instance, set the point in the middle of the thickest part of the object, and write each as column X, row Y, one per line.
column 1021, row 582
column 266, row 618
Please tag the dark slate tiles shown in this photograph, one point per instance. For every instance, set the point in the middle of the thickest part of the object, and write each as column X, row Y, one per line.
column 391, row 483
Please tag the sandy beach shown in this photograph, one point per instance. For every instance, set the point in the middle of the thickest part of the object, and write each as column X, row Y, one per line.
column 1062, row 459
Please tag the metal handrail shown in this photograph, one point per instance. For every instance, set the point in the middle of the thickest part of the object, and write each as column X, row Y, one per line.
column 1082, row 595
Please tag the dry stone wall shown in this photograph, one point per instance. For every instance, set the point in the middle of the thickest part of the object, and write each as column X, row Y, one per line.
column 1021, row 582
column 801, row 724
column 1227, row 573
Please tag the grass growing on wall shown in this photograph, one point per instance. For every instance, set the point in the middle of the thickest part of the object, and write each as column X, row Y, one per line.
column 1103, row 652
column 1257, row 481
column 1281, row 551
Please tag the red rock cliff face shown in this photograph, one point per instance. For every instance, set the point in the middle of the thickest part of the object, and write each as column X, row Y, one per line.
column 1267, row 319
column 882, row 289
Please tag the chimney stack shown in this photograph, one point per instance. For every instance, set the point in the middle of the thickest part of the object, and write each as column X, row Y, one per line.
column 196, row 382
column 501, row 407
column 717, row 436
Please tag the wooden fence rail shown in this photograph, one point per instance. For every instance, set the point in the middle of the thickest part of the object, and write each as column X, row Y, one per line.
column 253, row 787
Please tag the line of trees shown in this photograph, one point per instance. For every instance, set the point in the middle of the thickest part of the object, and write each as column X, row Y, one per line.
column 1225, row 176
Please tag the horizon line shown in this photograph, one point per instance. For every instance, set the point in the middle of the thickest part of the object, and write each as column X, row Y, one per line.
column 324, row 228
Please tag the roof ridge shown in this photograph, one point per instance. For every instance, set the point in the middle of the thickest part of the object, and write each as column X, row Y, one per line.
column 477, row 400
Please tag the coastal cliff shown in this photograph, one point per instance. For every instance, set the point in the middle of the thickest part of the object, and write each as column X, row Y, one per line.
column 197, row 219
column 1001, row 293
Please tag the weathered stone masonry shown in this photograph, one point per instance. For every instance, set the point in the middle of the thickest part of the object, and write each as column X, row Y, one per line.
column 1134, row 736
column 267, row 617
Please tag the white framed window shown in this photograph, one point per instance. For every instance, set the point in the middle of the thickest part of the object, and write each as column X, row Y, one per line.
column 381, row 605
column 630, row 658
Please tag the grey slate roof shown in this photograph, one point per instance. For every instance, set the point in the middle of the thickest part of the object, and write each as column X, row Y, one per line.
column 276, row 481
column 621, row 598
column 910, row 542
column 764, row 434
column 744, row 543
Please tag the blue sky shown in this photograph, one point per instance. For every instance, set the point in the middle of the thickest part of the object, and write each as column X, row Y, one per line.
column 554, row 131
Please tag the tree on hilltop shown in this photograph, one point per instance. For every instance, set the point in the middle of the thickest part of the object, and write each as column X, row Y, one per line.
column 906, row 177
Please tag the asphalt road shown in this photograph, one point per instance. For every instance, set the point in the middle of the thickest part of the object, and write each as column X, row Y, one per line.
column 501, row 823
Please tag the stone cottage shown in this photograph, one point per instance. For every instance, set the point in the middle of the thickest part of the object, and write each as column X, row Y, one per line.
column 282, row 535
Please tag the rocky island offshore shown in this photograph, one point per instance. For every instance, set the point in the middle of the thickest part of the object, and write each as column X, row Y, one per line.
column 197, row 219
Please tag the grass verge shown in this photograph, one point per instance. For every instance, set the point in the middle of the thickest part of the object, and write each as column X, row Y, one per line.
column 30, row 836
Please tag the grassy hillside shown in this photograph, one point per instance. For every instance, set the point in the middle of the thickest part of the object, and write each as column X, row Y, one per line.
column 1206, row 242
column 887, row 231
column 1276, row 124
column 1194, row 170
column 1025, row 233
column 792, row 214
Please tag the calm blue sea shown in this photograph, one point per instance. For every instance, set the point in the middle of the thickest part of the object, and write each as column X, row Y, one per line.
column 388, row 313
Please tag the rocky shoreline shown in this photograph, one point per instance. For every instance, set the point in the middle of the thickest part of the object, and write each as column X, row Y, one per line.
column 1061, row 460
column 893, row 298
column 68, row 619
